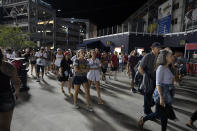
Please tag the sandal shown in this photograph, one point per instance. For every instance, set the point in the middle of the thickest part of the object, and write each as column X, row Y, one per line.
column 141, row 123
column 63, row 91
column 100, row 102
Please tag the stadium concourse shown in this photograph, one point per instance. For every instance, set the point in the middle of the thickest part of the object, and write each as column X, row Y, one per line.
column 45, row 108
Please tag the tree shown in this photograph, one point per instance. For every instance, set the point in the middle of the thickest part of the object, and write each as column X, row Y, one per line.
column 29, row 44
column 12, row 37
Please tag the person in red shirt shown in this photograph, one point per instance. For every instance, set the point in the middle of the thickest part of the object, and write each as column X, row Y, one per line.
column 114, row 64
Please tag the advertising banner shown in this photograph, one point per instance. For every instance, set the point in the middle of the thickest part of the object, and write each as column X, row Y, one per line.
column 164, row 25
column 164, row 17
column 190, row 15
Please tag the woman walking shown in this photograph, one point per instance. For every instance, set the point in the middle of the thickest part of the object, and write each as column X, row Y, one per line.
column 8, row 74
column 32, row 61
column 94, row 74
column 164, row 92
column 65, row 72
column 81, row 68
column 104, row 65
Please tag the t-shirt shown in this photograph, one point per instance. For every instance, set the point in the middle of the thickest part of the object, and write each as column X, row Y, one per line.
column 164, row 75
column 26, row 56
column 58, row 60
column 40, row 61
column 133, row 60
column 104, row 61
column 9, row 56
column 94, row 64
column 121, row 59
column 148, row 63
column 74, row 58
column 114, row 60
column 49, row 55
column 98, row 55
column 65, row 65
column 81, row 64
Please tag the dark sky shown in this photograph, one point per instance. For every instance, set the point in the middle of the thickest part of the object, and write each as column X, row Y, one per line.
column 102, row 12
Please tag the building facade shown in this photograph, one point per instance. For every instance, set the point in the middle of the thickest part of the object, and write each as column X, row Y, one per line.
column 68, row 33
column 164, row 16
column 31, row 16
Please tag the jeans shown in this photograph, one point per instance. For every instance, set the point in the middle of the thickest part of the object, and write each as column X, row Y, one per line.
column 159, row 113
column 194, row 116
column 148, row 103
column 121, row 66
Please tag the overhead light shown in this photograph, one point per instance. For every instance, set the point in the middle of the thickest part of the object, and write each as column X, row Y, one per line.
column 45, row 22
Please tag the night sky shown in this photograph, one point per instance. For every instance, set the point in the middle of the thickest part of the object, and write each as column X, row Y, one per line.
column 101, row 12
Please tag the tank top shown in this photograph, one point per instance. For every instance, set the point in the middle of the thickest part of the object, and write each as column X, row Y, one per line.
column 5, row 83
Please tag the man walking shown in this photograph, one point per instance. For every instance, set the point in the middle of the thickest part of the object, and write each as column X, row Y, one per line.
column 147, row 69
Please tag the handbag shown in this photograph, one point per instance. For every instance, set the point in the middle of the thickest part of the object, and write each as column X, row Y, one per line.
column 169, row 110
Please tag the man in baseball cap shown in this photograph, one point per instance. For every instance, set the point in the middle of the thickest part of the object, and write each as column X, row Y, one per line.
column 147, row 67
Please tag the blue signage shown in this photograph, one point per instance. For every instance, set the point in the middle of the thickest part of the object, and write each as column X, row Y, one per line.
column 164, row 25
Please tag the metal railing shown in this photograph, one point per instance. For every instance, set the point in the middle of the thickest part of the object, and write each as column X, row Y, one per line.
column 6, row 2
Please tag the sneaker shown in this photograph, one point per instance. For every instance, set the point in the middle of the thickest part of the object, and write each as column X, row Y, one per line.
column 76, row 106
column 90, row 109
column 133, row 90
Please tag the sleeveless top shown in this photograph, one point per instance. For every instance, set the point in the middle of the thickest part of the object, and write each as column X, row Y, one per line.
column 6, row 70
column 5, row 83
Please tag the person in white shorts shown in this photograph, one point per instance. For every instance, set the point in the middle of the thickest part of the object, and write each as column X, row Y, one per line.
column 40, row 63
column 94, row 73
column 59, row 57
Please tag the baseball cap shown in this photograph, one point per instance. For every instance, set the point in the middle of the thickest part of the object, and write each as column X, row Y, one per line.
column 66, row 53
column 156, row 45
column 42, row 48
column 58, row 49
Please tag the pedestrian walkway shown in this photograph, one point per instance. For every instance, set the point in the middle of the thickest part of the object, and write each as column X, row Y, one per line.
column 45, row 108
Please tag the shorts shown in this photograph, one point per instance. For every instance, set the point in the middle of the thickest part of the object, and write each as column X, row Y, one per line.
column 47, row 63
column 114, row 68
column 93, row 76
column 104, row 70
column 79, row 80
column 33, row 62
column 38, row 68
column 7, row 102
column 133, row 74
column 63, row 78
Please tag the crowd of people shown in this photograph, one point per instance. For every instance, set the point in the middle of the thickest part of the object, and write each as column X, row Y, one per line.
column 152, row 72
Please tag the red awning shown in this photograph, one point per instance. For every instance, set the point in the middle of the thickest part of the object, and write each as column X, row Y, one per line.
column 191, row 46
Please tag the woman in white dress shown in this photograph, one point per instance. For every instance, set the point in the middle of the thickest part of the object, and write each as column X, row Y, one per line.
column 94, row 74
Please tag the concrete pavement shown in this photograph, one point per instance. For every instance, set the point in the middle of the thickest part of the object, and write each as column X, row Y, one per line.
column 45, row 108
